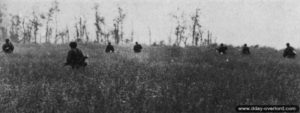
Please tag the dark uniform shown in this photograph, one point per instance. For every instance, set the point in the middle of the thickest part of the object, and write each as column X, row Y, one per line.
column 137, row 48
column 245, row 50
column 289, row 52
column 109, row 48
column 8, row 47
column 222, row 49
column 75, row 57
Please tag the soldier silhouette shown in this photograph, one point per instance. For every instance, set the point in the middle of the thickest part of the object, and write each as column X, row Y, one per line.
column 245, row 50
column 109, row 48
column 289, row 51
column 137, row 48
column 75, row 57
column 222, row 49
column 8, row 47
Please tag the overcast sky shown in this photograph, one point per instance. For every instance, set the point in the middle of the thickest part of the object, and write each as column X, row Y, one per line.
column 264, row 22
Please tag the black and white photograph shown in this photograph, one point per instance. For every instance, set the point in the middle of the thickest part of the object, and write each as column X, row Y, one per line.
column 149, row 56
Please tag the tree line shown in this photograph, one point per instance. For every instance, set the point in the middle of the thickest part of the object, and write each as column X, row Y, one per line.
column 28, row 29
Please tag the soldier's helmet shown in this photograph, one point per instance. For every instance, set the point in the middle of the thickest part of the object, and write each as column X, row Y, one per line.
column 6, row 40
column 73, row 44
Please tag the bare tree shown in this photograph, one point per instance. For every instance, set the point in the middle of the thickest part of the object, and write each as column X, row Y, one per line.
column 67, row 34
column 62, row 34
column 196, row 30
column 116, row 33
column 180, row 29
column 3, row 29
column 77, row 32
column 54, row 8
column 81, row 31
column 15, row 28
column 99, row 24
column 199, row 37
column 35, row 24
column 132, row 35
column 118, row 26
column 208, row 40
column 86, row 34
column 27, row 30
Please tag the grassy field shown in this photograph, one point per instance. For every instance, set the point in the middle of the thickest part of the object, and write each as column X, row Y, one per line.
column 158, row 80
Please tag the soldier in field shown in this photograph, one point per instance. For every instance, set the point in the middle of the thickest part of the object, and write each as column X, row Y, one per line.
column 289, row 51
column 222, row 49
column 75, row 57
column 8, row 47
column 109, row 48
column 245, row 50
column 137, row 48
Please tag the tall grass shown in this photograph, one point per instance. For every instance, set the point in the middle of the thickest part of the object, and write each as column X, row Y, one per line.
column 158, row 80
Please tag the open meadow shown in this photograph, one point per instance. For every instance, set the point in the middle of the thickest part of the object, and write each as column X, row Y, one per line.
column 158, row 80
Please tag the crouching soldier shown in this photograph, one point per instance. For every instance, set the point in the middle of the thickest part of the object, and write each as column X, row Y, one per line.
column 8, row 47
column 109, row 48
column 222, row 49
column 245, row 50
column 137, row 48
column 75, row 57
column 289, row 52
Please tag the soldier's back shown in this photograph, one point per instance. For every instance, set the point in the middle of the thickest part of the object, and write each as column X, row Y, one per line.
column 109, row 48
column 8, row 48
column 137, row 48
column 246, row 50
